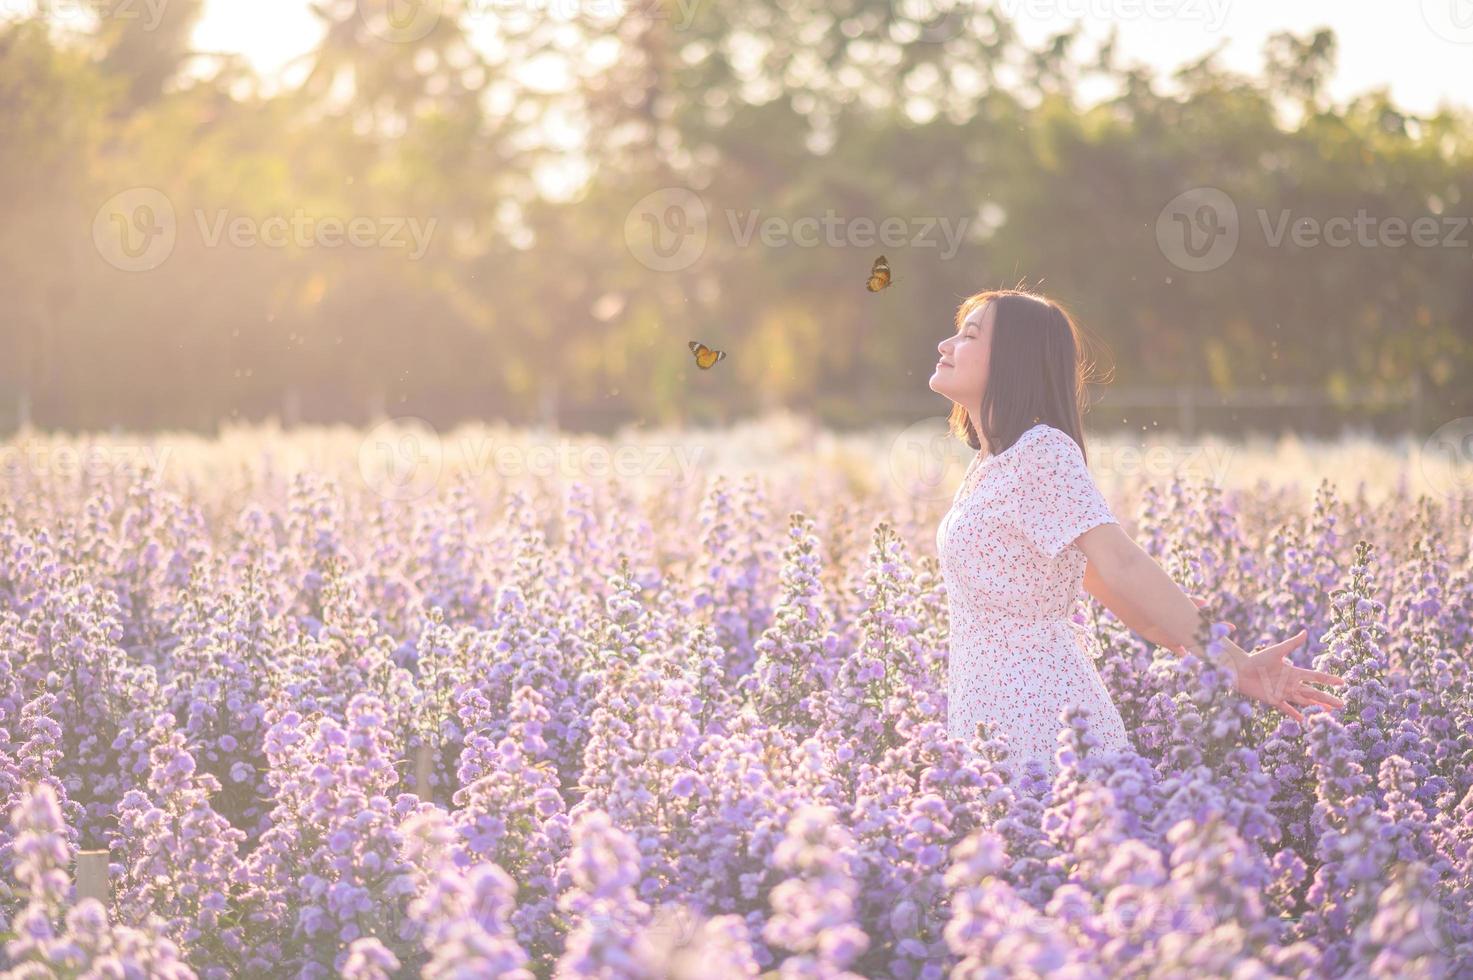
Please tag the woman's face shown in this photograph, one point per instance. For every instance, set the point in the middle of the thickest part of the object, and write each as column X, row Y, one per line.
column 961, row 374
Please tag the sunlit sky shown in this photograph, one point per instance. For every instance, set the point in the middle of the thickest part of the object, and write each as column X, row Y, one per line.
column 1422, row 50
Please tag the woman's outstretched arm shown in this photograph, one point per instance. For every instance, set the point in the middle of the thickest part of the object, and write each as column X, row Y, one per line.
column 1159, row 610
column 1131, row 616
column 1123, row 611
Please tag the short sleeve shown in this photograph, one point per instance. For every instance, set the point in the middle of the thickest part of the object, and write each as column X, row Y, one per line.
column 1057, row 497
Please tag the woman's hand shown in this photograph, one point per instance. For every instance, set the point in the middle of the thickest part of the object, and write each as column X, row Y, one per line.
column 1265, row 676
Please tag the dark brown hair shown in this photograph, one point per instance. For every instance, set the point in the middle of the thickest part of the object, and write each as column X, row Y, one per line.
column 1036, row 372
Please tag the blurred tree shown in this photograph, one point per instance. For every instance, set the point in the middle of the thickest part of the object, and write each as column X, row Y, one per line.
column 145, row 46
column 524, row 146
column 52, row 107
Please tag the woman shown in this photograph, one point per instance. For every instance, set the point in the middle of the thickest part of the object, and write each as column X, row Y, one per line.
column 1028, row 527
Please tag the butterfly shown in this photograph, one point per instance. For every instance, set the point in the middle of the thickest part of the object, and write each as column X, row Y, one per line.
column 879, row 276
column 705, row 356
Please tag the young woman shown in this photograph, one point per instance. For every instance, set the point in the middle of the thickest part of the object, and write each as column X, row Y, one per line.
column 1028, row 527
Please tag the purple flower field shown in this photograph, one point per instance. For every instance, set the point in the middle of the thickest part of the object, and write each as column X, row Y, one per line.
column 641, row 728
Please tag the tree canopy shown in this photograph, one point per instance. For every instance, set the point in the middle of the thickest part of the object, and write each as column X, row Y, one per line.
column 465, row 217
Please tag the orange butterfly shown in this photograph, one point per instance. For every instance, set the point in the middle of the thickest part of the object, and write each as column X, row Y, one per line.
column 879, row 276
column 705, row 356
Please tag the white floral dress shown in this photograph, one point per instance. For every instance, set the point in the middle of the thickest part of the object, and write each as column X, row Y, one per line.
column 1013, row 575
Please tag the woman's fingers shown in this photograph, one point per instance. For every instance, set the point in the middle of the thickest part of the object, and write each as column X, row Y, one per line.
column 1288, row 644
column 1304, row 677
column 1320, row 697
column 1290, row 710
column 1309, row 696
column 1297, row 640
column 1304, row 683
column 1283, row 648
